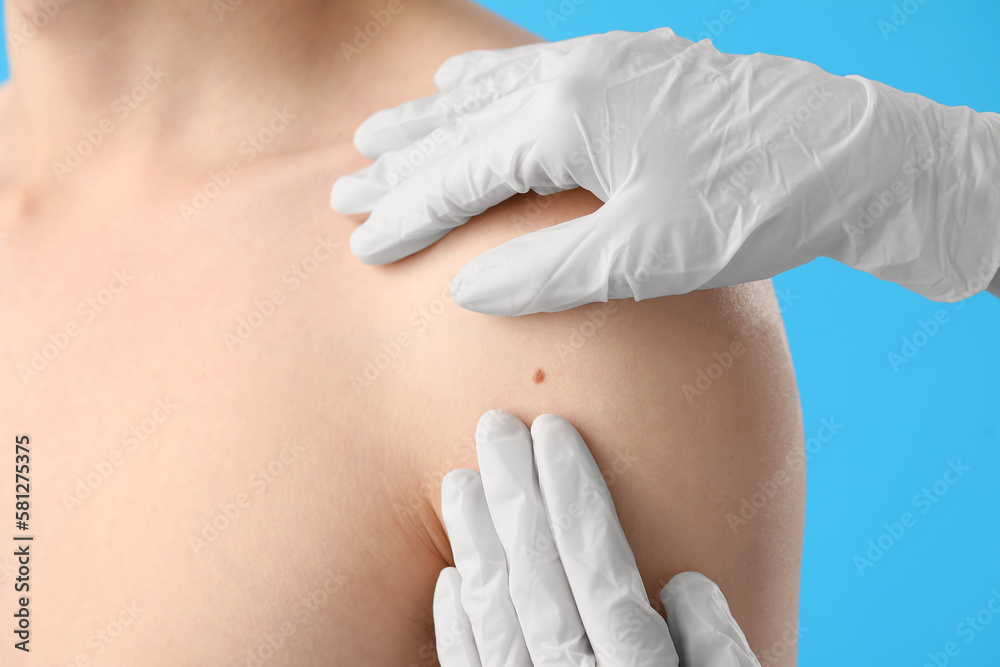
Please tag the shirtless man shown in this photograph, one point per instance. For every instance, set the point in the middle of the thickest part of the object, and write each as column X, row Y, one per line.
column 238, row 430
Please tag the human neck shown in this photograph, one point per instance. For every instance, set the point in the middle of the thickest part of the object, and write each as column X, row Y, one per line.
column 149, row 88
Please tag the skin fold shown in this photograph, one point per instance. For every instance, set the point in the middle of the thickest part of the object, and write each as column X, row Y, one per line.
column 238, row 430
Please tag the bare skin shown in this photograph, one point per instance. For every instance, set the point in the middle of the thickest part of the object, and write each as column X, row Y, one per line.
column 238, row 430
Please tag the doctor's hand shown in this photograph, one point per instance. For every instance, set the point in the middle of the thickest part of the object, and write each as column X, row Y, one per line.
column 715, row 169
column 544, row 575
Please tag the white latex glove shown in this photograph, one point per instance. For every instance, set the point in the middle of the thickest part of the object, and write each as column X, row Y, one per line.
column 715, row 169
column 544, row 575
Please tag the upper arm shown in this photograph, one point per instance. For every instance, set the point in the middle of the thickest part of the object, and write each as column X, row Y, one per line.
column 688, row 404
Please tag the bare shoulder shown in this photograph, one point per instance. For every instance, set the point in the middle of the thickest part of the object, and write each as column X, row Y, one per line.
column 688, row 404
column 699, row 321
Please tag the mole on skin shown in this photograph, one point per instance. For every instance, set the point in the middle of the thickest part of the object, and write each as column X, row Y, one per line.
column 539, row 376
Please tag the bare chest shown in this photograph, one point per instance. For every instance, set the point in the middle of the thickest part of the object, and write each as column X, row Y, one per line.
column 200, row 462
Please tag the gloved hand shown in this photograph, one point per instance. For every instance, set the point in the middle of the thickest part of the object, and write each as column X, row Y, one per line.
column 544, row 575
column 715, row 169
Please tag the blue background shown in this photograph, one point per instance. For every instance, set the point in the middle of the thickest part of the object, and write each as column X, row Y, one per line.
column 901, row 427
